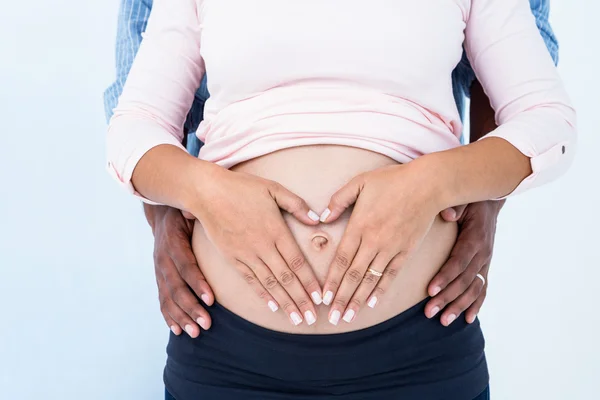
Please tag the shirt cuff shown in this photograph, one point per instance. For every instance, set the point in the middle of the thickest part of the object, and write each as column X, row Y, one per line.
column 546, row 165
column 128, row 140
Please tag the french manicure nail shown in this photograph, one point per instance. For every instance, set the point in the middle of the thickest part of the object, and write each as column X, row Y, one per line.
column 188, row 328
column 328, row 297
column 325, row 215
column 435, row 310
column 272, row 305
column 451, row 318
column 310, row 317
column 335, row 317
column 296, row 319
column 316, row 296
column 205, row 298
column 313, row 215
column 372, row 302
column 349, row 316
column 436, row 290
column 202, row 322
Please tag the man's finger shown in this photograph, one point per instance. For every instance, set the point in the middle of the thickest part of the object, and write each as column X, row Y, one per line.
column 453, row 214
column 460, row 257
column 473, row 311
column 462, row 302
column 186, row 263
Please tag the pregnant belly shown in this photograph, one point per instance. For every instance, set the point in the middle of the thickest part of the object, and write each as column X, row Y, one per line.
column 315, row 173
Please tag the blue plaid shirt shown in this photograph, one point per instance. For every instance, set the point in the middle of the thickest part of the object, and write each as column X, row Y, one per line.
column 133, row 17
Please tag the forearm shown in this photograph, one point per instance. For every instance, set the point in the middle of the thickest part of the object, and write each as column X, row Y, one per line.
column 487, row 169
column 166, row 174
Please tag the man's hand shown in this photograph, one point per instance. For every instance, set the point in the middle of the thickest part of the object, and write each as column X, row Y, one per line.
column 456, row 287
column 178, row 276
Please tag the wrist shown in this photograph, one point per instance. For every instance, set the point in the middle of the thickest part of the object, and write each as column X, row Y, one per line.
column 431, row 170
column 203, row 177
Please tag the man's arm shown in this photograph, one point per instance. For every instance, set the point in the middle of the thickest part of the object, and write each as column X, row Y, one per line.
column 455, row 287
column 173, row 256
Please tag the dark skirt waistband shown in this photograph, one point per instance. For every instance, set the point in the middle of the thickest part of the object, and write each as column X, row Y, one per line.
column 408, row 357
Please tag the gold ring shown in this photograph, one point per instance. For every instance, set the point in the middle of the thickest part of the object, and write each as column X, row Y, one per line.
column 376, row 273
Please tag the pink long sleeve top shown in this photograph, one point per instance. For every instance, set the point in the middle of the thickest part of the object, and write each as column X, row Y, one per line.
column 374, row 75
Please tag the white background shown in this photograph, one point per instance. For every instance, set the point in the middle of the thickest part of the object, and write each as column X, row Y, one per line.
column 79, row 311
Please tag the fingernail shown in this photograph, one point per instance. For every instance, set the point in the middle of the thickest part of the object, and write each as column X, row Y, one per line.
column 174, row 329
column 435, row 310
column 296, row 319
column 451, row 318
column 316, row 296
column 335, row 317
column 349, row 316
column 202, row 322
column 325, row 215
column 310, row 317
column 328, row 297
column 313, row 215
column 452, row 213
column 471, row 319
column 372, row 302
column 272, row 305
column 189, row 329
column 205, row 298
column 436, row 290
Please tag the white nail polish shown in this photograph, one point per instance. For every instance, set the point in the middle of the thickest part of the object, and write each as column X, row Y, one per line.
column 325, row 215
column 310, row 317
column 272, row 305
column 316, row 296
column 296, row 319
column 372, row 302
column 202, row 322
column 349, row 316
column 313, row 215
column 335, row 317
column 328, row 297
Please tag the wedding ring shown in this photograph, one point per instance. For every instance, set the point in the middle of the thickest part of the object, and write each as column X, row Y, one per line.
column 376, row 273
column 482, row 278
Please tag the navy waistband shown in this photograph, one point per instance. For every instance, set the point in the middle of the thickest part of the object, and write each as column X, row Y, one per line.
column 406, row 355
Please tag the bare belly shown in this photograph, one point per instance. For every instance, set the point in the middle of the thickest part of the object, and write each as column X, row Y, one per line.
column 315, row 173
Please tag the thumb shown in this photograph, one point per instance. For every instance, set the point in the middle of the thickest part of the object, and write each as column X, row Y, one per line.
column 342, row 199
column 453, row 214
column 295, row 205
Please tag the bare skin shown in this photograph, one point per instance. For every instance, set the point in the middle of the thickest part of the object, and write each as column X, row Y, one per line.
column 456, row 291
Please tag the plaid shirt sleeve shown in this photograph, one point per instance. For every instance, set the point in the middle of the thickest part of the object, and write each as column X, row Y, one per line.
column 132, row 21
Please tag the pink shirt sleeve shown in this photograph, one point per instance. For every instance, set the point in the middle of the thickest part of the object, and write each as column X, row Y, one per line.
column 159, row 90
column 533, row 111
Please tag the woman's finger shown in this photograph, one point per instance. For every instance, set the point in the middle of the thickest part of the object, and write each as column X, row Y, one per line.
column 287, row 248
column 252, row 280
column 342, row 199
column 293, row 204
column 464, row 301
column 366, row 287
column 389, row 274
column 350, row 282
column 456, row 288
column 344, row 256
column 269, row 280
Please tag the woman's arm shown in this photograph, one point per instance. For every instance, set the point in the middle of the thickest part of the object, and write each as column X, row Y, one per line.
column 532, row 109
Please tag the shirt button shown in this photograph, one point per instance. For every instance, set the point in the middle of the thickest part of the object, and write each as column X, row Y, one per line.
column 564, row 149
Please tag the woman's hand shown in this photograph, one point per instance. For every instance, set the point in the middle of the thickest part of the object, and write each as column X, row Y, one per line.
column 242, row 218
column 394, row 209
